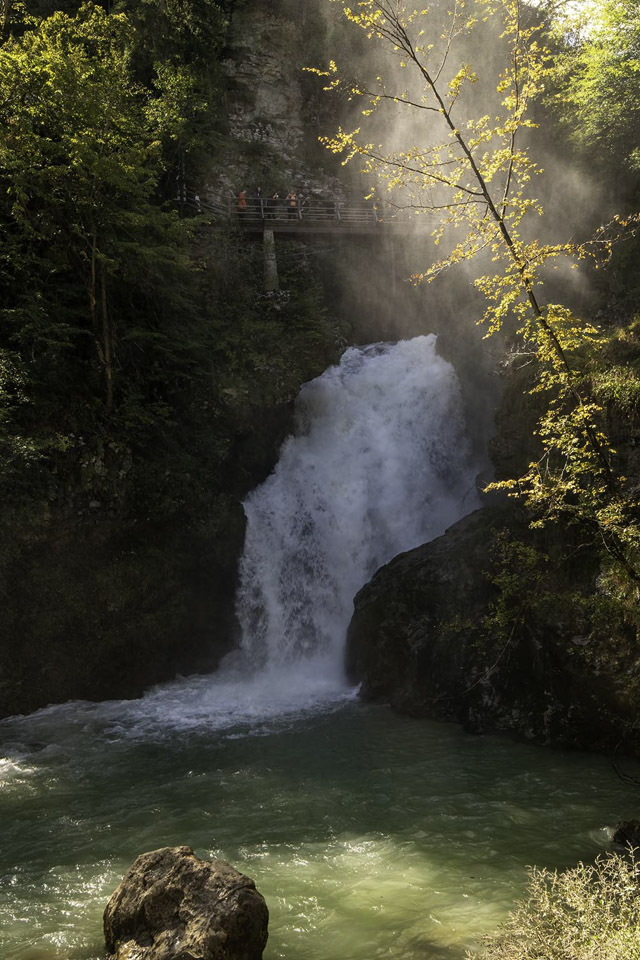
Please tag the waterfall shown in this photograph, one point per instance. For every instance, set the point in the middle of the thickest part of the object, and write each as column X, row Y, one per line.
column 379, row 463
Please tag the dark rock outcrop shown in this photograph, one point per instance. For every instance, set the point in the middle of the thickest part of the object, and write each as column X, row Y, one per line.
column 404, row 641
column 173, row 906
column 417, row 641
column 628, row 834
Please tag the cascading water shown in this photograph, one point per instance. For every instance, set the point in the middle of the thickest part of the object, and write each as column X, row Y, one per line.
column 379, row 463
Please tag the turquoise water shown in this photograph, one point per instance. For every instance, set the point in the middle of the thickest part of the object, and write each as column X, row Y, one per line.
column 370, row 835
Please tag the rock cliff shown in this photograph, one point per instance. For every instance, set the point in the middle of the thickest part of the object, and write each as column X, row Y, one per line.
column 275, row 108
column 423, row 639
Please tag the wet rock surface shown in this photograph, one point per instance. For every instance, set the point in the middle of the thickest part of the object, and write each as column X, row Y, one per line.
column 628, row 834
column 171, row 905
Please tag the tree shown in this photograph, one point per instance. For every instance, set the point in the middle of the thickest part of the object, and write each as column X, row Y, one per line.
column 597, row 87
column 79, row 165
column 471, row 169
column 176, row 51
column 5, row 13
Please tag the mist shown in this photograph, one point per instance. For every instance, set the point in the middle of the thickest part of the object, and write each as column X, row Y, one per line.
column 281, row 113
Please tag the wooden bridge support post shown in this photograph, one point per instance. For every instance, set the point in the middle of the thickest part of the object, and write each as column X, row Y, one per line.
column 271, row 281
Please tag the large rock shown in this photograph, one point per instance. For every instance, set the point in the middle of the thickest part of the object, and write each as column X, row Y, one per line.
column 419, row 641
column 628, row 834
column 173, row 906
column 414, row 631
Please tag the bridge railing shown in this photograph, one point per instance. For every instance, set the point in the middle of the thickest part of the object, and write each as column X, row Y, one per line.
column 278, row 211
column 303, row 211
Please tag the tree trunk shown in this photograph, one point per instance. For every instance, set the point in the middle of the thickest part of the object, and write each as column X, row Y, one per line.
column 106, row 340
column 5, row 14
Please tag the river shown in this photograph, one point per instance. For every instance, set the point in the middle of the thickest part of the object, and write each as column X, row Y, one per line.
column 370, row 835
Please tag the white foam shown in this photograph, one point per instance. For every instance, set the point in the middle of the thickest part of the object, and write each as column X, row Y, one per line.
column 379, row 464
column 11, row 768
column 229, row 701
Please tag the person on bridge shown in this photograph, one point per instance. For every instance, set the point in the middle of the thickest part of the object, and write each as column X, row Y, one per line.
column 292, row 205
column 258, row 211
column 272, row 206
column 242, row 204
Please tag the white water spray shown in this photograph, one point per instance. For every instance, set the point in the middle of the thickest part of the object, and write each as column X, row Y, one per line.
column 379, row 463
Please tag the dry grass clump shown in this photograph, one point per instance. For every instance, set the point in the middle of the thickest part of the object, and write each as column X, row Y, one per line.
column 591, row 912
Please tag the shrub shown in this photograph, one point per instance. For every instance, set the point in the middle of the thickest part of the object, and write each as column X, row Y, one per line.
column 591, row 912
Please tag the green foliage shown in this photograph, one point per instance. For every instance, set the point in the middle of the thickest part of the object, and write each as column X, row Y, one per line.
column 78, row 165
column 518, row 573
column 598, row 78
column 614, row 370
column 175, row 51
column 17, row 452
column 133, row 343
column 552, row 586
column 618, row 385
column 264, row 347
column 95, row 275
column 535, row 586
column 591, row 912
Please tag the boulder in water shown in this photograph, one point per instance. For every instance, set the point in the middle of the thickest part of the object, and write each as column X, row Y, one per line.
column 628, row 833
column 173, row 906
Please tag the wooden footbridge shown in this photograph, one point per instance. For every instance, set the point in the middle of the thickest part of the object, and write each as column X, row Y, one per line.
column 266, row 219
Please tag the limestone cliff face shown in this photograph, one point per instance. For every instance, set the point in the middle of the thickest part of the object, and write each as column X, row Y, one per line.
column 263, row 80
column 274, row 107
